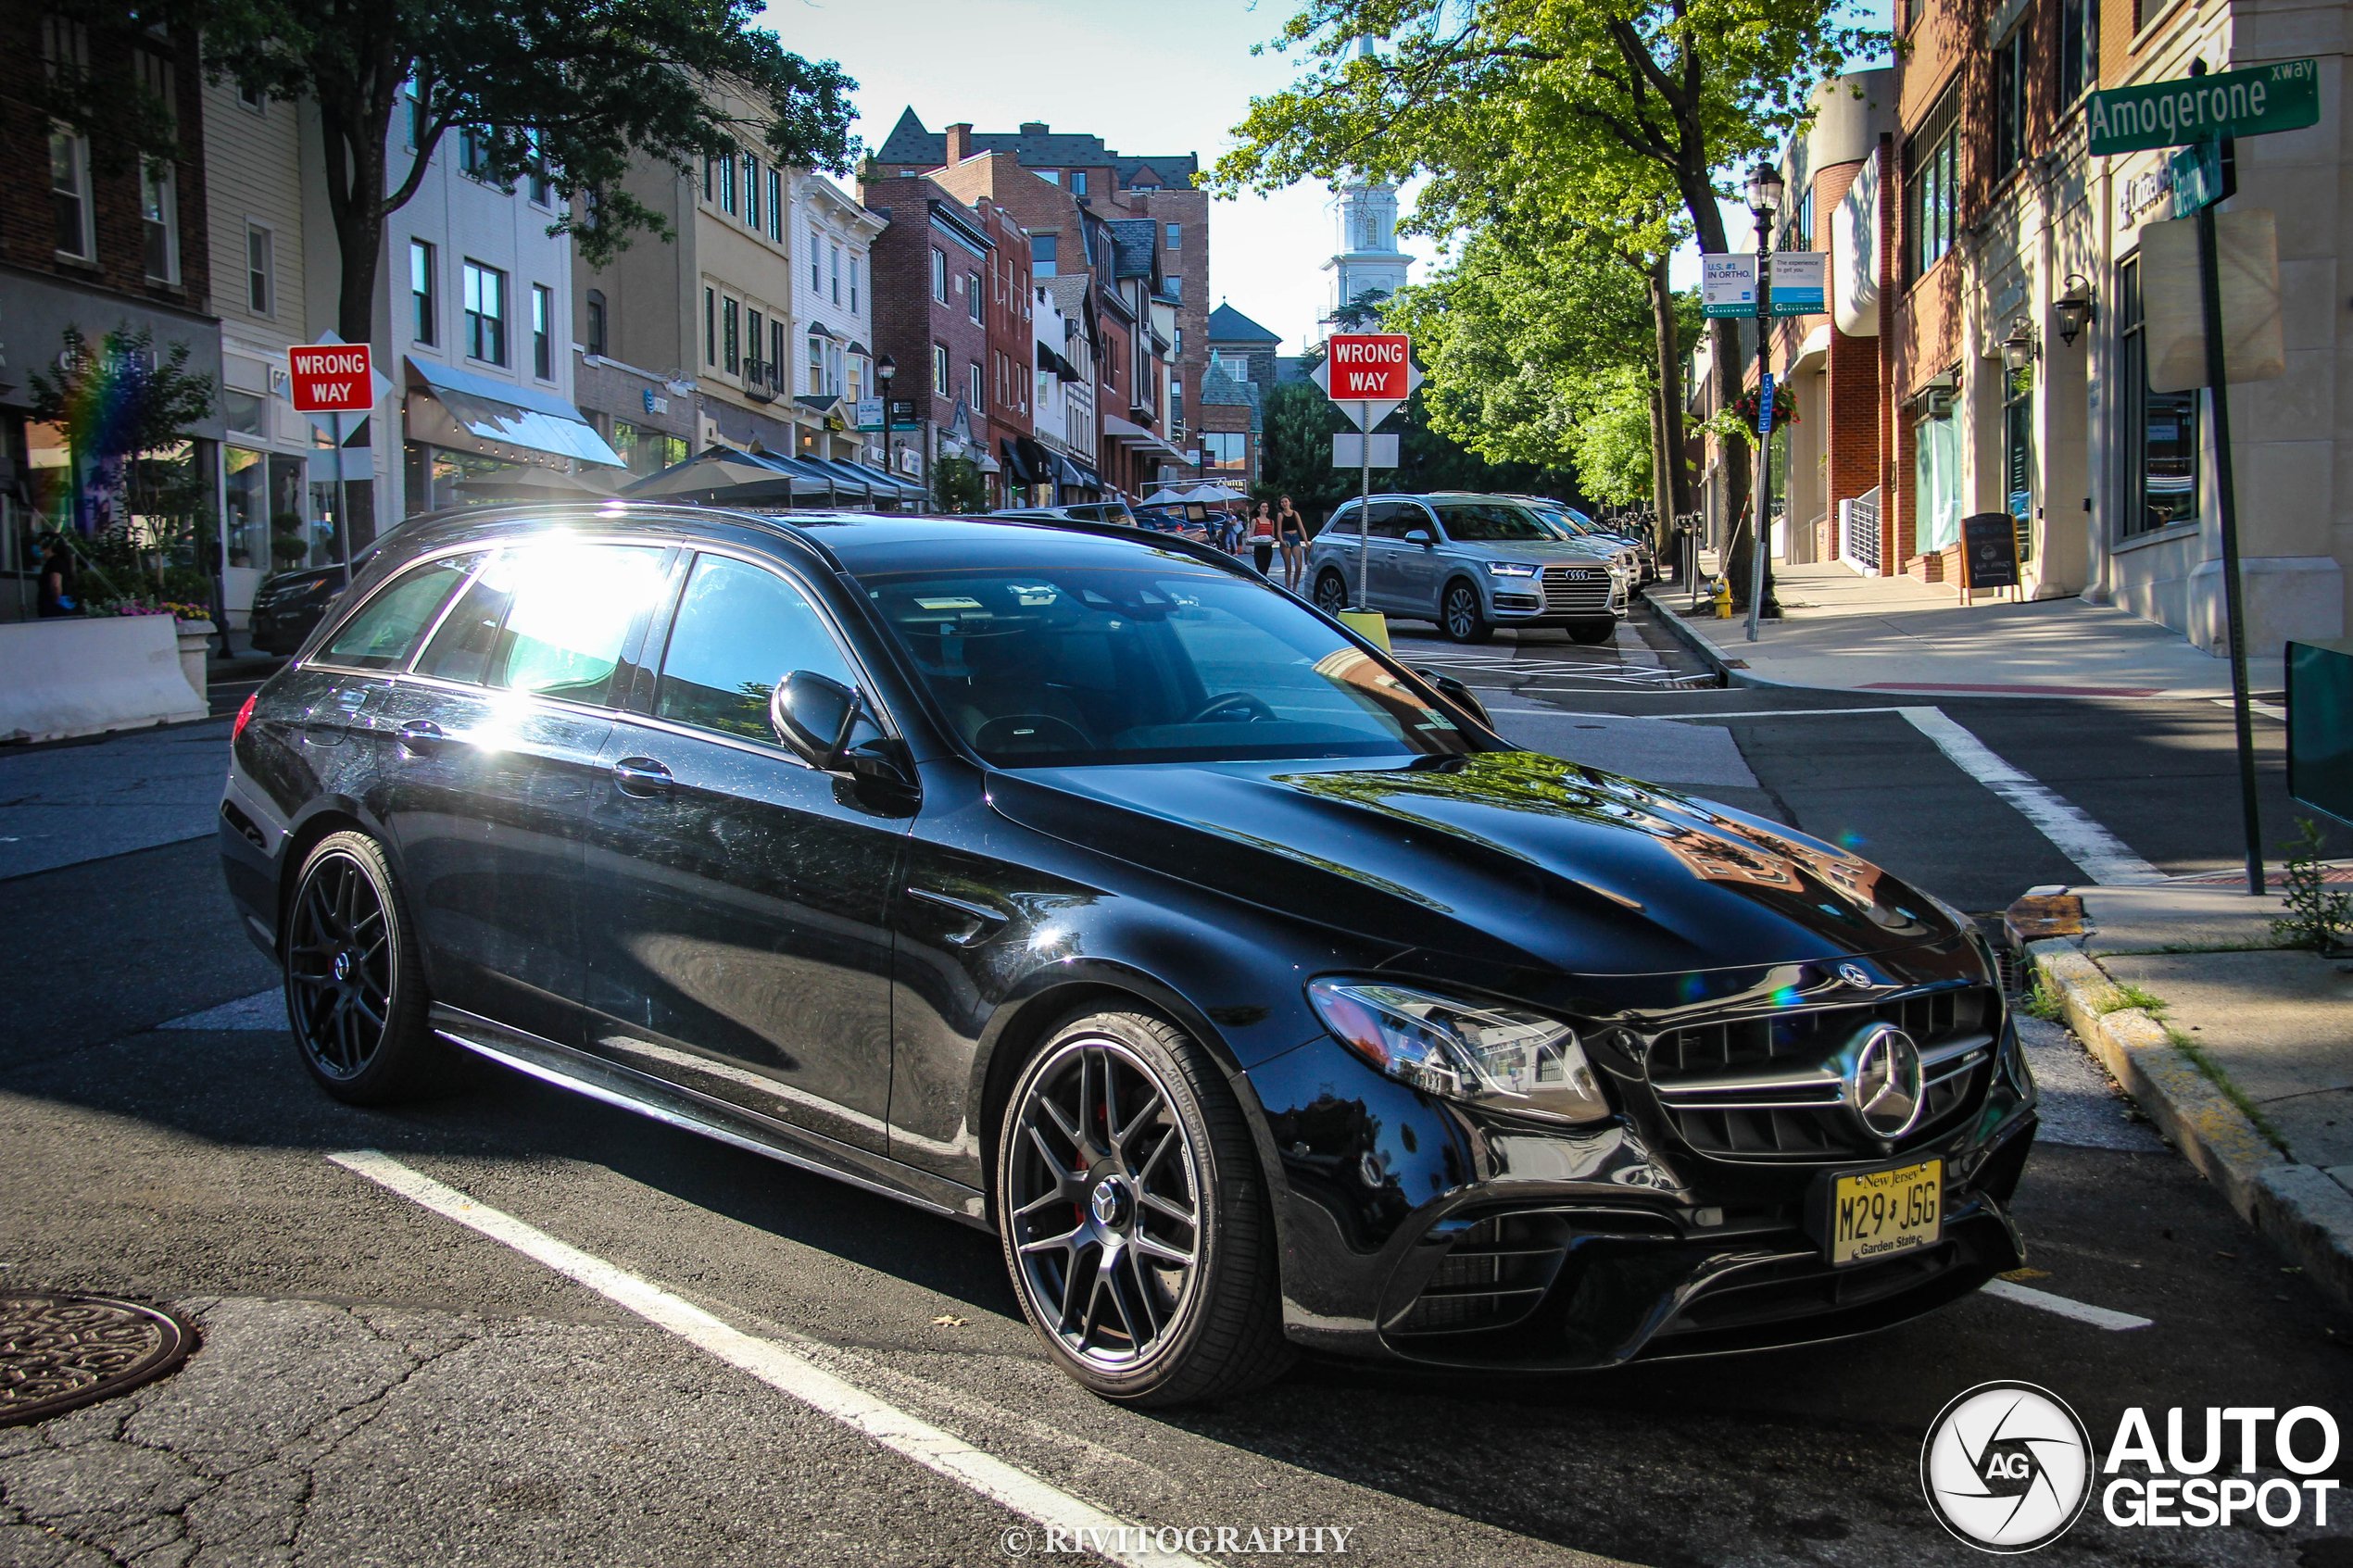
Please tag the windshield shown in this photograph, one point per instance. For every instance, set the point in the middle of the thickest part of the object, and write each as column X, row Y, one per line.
column 1572, row 525
column 1490, row 522
column 1161, row 662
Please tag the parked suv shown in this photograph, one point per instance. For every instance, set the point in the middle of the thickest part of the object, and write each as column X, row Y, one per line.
column 1634, row 549
column 1470, row 563
column 1078, row 885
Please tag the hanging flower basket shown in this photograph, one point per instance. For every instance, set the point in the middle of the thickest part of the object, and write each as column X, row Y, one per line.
column 1784, row 408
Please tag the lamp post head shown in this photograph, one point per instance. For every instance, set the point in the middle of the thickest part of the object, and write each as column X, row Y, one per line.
column 1763, row 190
column 2073, row 308
column 886, row 368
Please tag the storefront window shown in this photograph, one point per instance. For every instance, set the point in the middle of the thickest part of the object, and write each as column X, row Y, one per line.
column 289, row 527
column 247, row 413
column 2160, row 435
column 2018, row 457
column 49, row 476
column 1936, row 485
column 245, row 524
column 1223, row 449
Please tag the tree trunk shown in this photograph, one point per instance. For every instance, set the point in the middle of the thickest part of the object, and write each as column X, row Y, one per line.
column 1670, row 464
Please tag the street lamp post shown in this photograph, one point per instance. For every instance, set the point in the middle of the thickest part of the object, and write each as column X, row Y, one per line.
column 886, row 368
column 1764, row 203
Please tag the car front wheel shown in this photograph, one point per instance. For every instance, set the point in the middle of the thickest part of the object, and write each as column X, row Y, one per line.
column 354, row 994
column 1461, row 616
column 1331, row 592
column 1134, row 1219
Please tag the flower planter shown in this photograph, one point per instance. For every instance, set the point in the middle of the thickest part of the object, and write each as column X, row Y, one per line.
column 196, row 638
column 84, row 675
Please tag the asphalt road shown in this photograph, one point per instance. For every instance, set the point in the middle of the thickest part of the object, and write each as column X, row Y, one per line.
column 381, row 1384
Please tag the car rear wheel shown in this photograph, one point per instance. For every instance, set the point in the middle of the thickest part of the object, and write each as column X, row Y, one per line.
column 1592, row 633
column 1331, row 592
column 355, row 994
column 1134, row 1219
column 1461, row 617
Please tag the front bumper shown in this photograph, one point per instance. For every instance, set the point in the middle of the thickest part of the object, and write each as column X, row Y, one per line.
column 1418, row 1229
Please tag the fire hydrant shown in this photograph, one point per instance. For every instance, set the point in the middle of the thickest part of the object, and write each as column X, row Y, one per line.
column 1723, row 599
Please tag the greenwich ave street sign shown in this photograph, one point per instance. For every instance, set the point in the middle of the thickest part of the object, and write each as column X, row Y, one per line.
column 2285, row 95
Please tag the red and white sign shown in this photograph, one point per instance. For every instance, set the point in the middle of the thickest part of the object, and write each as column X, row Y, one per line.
column 332, row 378
column 1368, row 365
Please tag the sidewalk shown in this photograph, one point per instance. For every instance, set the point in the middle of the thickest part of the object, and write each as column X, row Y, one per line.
column 2240, row 1051
column 1846, row 631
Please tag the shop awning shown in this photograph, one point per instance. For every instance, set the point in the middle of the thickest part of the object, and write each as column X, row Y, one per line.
column 1078, row 476
column 846, row 480
column 1014, row 462
column 1050, row 361
column 1135, row 435
column 456, row 409
column 905, row 489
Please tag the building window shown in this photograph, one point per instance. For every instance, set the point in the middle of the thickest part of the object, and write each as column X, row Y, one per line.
column 1932, row 188
column 710, row 327
column 1176, row 236
column 486, row 313
column 1936, row 485
column 69, row 192
column 423, row 310
column 542, row 332
column 816, row 367
column 731, row 344
column 1042, row 254
column 1051, row 176
column 752, row 192
column 1799, row 235
column 261, row 271
column 2009, row 101
column 939, row 382
column 727, row 183
column 2018, row 456
column 973, row 302
column 976, row 387
column 755, row 339
column 837, row 274
column 776, row 205
column 1077, row 182
column 1224, row 450
column 253, row 98
column 543, row 192
column 777, row 355
column 1176, row 287
column 939, row 274
column 2079, row 50
column 597, row 322
column 2160, row 445
column 473, row 152
column 158, row 221
column 854, row 285
column 710, row 178
column 415, row 110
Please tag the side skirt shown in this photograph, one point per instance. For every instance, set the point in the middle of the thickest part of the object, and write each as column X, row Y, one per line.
column 689, row 1112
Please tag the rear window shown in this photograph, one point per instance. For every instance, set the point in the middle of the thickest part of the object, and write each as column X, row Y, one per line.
column 550, row 619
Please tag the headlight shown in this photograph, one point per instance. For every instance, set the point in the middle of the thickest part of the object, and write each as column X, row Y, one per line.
column 1504, row 1057
column 1511, row 569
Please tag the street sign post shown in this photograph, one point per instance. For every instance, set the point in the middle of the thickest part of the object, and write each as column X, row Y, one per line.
column 1348, row 451
column 1369, row 375
column 2206, row 112
column 333, row 378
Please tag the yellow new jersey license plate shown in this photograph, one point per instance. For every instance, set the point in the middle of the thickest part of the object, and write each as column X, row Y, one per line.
column 1876, row 1215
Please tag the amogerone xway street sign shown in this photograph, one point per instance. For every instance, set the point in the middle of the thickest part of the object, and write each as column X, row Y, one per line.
column 2284, row 96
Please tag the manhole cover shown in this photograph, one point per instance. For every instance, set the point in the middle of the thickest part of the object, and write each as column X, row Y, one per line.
column 60, row 1351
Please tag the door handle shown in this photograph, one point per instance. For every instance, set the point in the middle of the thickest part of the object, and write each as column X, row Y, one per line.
column 642, row 777
column 420, row 734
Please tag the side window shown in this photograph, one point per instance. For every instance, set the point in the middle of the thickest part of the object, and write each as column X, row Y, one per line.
column 1389, row 521
column 739, row 631
column 1412, row 515
column 387, row 628
column 550, row 619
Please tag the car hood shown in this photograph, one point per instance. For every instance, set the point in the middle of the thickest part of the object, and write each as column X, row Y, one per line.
column 1586, row 552
column 1508, row 858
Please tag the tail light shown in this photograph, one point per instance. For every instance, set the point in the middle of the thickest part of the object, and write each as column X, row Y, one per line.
column 245, row 716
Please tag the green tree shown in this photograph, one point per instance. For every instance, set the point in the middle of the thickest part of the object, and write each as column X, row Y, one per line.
column 1598, row 111
column 1295, row 449
column 958, row 485
column 573, row 91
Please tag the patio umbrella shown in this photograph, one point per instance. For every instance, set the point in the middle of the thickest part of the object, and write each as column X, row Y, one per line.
column 720, row 476
column 1216, row 492
column 1164, row 497
column 534, row 483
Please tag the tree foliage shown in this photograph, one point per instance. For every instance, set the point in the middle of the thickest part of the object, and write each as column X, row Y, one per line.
column 575, row 91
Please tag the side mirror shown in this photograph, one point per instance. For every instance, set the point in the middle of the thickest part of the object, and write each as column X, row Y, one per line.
column 1420, row 536
column 1457, row 693
column 812, row 714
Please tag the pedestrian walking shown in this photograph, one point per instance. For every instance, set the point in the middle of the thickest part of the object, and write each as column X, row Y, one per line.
column 56, row 582
column 1291, row 537
column 1261, row 537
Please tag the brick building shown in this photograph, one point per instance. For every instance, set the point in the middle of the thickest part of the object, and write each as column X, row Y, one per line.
column 95, row 237
column 1242, row 344
column 932, row 266
column 1012, row 353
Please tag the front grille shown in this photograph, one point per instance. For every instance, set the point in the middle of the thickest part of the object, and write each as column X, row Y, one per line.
column 1494, row 1275
column 1768, row 1087
column 1577, row 590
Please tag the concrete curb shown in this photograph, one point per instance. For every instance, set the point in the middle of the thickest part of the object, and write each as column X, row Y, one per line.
column 1683, row 632
column 2300, row 1208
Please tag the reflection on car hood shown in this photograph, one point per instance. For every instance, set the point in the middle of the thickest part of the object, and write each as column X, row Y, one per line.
column 1584, row 551
column 1507, row 857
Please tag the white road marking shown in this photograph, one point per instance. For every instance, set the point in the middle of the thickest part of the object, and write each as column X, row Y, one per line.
column 2269, row 710
column 775, row 1366
column 2099, row 1317
column 2101, row 855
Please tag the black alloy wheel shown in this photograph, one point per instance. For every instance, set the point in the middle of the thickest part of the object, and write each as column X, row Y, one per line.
column 1593, row 634
column 1460, row 616
column 354, row 996
column 1133, row 1221
column 1331, row 592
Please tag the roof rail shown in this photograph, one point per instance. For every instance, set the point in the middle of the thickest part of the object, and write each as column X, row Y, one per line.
column 1208, row 554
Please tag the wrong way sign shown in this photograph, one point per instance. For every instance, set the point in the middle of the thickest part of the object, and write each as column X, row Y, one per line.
column 331, row 378
column 1368, row 374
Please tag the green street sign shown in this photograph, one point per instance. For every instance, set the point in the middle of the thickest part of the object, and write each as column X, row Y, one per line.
column 2197, row 177
column 2281, row 96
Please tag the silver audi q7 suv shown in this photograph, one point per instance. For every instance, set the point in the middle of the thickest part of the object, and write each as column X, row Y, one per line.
column 1470, row 563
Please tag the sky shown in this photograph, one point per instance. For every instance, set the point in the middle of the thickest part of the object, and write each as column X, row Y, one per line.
column 1147, row 77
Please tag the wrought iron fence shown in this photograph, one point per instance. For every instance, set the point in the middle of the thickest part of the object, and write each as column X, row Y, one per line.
column 1860, row 540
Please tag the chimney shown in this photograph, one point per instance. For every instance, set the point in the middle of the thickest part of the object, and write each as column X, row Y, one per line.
column 1033, row 127
column 960, row 143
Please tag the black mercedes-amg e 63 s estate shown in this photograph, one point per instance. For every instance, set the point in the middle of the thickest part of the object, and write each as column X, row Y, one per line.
column 1078, row 885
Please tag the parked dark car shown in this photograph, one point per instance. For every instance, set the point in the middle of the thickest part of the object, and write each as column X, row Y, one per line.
column 1082, row 886
column 286, row 607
